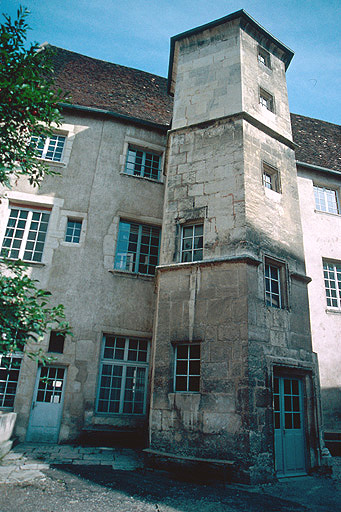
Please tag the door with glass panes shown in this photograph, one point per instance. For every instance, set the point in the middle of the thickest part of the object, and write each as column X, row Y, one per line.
column 47, row 405
column 289, row 426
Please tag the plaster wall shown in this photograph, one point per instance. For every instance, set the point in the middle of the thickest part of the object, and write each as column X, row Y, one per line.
column 97, row 299
column 321, row 234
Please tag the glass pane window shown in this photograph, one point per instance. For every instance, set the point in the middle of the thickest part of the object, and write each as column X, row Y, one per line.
column 271, row 178
column 9, row 376
column 192, row 237
column 266, row 100
column 123, row 377
column 51, row 382
column 187, row 368
column 143, row 163
column 264, row 57
column 49, row 148
column 332, row 283
column 137, row 248
column 273, row 288
column 326, row 200
column 25, row 234
column 73, row 231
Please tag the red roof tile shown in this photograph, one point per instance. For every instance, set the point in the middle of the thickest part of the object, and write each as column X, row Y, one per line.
column 99, row 84
column 137, row 94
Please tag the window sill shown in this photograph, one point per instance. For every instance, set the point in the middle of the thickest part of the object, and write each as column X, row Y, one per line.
column 132, row 275
column 333, row 311
column 29, row 263
column 159, row 182
column 327, row 213
column 115, row 415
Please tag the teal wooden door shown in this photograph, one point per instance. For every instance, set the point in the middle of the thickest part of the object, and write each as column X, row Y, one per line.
column 290, row 457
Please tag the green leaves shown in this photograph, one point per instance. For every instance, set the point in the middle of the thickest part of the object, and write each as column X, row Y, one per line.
column 28, row 101
column 26, row 313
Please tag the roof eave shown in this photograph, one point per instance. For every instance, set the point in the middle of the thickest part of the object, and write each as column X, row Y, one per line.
column 116, row 115
column 238, row 14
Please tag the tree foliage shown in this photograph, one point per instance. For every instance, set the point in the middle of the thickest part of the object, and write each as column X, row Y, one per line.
column 25, row 312
column 28, row 106
column 28, row 102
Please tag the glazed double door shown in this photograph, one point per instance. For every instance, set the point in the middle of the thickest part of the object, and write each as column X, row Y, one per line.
column 290, row 457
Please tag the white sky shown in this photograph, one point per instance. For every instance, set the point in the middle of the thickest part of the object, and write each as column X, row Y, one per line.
column 136, row 33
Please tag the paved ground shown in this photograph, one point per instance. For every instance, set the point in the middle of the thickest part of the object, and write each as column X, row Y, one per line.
column 35, row 478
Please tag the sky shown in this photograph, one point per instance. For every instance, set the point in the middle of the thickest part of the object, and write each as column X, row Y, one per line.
column 136, row 33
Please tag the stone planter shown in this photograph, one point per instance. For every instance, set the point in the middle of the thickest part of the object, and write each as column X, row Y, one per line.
column 7, row 422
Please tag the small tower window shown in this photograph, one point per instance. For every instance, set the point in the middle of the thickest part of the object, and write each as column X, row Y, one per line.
column 264, row 57
column 266, row 100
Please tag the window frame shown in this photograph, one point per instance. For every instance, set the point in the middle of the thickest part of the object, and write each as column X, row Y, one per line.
column 187, row 375
column 24, row 241
column 135, row 261
column 281, row 281
column 142, row 174
column 264, row 57
column 4, row 393
column 336, row 280
column 318, row 189
column 73, row 220
column 274, row 175
column 124, row 363
column 48, row 142
column 266, row 100
column 192, row 225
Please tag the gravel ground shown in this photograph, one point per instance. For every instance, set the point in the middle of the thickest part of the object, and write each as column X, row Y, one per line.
column 67, row 488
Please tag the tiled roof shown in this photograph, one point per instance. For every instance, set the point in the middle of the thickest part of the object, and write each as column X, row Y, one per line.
column 137, row 94
column 126, row 91
column 319, row 142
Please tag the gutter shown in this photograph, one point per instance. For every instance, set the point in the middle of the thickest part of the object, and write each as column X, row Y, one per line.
column 115, row 115
column 318, row 168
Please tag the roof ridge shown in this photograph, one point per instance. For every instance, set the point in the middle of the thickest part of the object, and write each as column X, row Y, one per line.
column 46, row 44
column 314, row 119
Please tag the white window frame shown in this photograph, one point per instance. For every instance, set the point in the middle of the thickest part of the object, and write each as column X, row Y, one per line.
column 188, row 375
column 321, row 195
column 124, row 364
column 132, row 261
column 266, row 100
column 130, row 164
column 26, row 230
column 4, row 382
column 275, row 283
column 264, row 57
column 332, row 283
column 271, row 179
column 49, row 146
column 191, row 251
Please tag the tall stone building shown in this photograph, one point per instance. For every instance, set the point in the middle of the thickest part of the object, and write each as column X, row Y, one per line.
column 232, row 320
column 176, row 246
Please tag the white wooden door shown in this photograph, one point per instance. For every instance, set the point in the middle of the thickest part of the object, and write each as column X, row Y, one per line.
column 289, row 427
column 47, row 405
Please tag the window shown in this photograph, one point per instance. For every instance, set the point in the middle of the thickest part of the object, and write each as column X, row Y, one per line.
column 192, row 242
column 271, row 177
column 73, row 231
column 123, row 377
column 264, row 57
column 137, row 248
column 49, row 148
column 56, row 342
column 187, row 368
column 143, row 163
column 332, row 282
column 266, row 100
column 274, row 284
column 326, row 200
column 9, row 376
column 25, row 234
